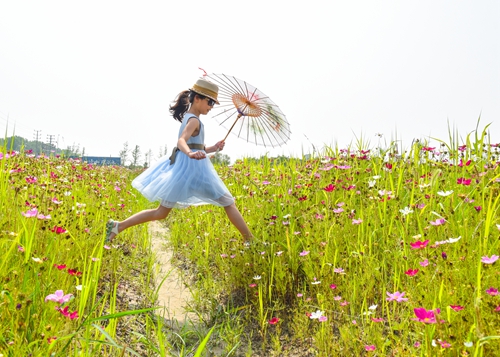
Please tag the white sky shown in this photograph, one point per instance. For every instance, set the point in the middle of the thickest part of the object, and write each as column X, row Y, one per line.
column 102, row 73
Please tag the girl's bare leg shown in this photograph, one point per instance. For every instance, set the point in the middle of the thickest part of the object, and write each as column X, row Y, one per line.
column 235, row 217
column 142, row 217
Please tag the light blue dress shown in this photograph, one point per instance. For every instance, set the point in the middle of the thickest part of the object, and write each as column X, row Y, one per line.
column 187, row 182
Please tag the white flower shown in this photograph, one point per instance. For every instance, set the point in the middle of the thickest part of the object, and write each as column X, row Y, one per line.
column 257, row 277
column 371, row 183
column 406, row 211
column 67, row 193
column 373, row 307
column 37, row 260
column 287, row 216
column 316, row 282
column 424, row 185
column 454, row 240
column 78, row 287
column 433, row 343
column 445, row 193
column 317, row 314
column 376, row 177
column 498, row 226
column 468, row 344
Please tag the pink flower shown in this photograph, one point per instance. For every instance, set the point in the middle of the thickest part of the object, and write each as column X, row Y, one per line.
column 304, row 253
column 438, row 222
column 377, row 319
column 445, row 344
column 411, row 272
column 489, row 260
column 497, row 309
column 338, row 210
column 370, row 347
column 30, row 213
column 273, row 321
column 357, row 221
column 457, row 307
column 59, row 297
column 253, row 285
column 419, row 244
column 424, row 263
column 322, row 318
column 492, row 291
column 397, row 296
column 425, row 316
column 333, row 286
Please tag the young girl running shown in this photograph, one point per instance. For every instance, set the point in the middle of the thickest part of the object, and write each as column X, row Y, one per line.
column 187, row 177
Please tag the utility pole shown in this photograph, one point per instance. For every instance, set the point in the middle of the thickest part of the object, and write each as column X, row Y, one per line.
column 50, row 138
column 36, row 137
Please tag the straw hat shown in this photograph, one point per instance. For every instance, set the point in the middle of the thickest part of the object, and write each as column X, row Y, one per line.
column 206, row 88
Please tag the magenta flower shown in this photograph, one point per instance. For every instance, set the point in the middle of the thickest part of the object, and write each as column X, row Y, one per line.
column 397, row 296
column 370, row 347
column 463, row 181
column 411, row 272
column 58, row 230
column 445, row 344
column 72, row 315
column 489, row 260
column 457, row 307
column 333, row 286
column 329, row 188
column 59, row 297
column 492, row 291
column 419, row 244
column 425, row 316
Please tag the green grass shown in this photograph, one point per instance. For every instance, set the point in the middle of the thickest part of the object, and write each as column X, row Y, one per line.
column 335, row 235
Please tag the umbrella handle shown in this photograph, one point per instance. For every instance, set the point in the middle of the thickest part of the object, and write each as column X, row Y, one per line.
column 231, row 128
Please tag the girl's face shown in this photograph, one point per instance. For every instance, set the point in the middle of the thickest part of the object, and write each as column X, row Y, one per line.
column 205, row 104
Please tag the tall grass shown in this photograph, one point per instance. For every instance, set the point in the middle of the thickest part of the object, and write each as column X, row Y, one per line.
column 358, row 251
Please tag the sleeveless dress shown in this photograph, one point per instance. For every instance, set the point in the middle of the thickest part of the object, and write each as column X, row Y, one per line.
column 187, row 182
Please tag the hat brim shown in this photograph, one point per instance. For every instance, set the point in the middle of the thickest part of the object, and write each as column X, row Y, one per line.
column 205, row 94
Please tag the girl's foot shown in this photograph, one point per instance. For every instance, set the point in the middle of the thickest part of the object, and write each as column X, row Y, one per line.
column 111, row 230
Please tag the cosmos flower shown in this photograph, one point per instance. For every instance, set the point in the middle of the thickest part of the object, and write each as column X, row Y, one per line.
column 59, row 297
column 396, row 296
column 489, row 260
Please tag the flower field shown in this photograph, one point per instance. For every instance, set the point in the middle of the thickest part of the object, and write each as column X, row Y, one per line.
column 357, row 252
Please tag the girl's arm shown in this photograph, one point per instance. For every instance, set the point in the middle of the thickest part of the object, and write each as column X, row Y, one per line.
column 191, row 127
column 218, row 146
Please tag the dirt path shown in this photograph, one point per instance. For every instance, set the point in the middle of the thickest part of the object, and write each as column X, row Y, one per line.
column 173, row 294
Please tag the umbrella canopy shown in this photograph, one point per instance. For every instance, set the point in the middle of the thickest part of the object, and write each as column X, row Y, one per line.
column 248, row 113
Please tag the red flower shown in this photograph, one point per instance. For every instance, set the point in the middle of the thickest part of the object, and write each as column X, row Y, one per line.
column 273, row 321
column 411, row 272
column 74, row 272
column 60, row 267
column 457, row 307
column 72, row 315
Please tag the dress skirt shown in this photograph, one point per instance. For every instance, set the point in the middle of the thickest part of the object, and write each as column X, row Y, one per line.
column 187, row 182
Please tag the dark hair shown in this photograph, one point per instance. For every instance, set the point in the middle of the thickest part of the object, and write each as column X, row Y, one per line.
column 181, row 103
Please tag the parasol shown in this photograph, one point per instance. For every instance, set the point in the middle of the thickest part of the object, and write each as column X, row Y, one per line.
column 249, row 113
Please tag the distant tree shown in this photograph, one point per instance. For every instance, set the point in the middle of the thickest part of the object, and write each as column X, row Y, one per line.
column 136, row 155
column 148, row 155
column 163, row 151
column 220, row 159
column 124, row 153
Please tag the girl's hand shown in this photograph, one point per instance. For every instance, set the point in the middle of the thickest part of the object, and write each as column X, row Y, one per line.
column 197, row 155
column 220, row 145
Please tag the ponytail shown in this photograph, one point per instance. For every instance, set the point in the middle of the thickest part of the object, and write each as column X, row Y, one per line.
column 181, row 104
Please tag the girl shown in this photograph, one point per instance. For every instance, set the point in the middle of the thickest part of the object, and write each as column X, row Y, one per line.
column 187, row 177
